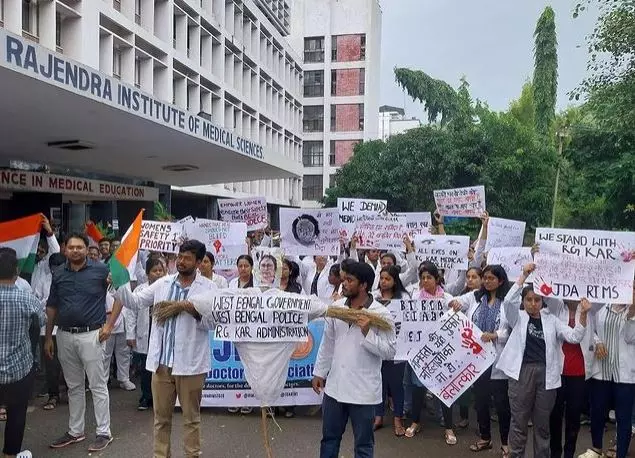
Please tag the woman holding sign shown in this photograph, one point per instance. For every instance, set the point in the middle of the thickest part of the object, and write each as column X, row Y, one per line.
column 532, row 359
column 391, row 288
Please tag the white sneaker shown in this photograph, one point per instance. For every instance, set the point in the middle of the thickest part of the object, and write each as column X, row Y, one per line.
column 612, row 415
column 590, row 454
column 24, row 454
column 127, row 385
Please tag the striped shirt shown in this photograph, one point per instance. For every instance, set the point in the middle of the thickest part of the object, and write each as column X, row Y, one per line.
column 611, row 364
column 177, row 293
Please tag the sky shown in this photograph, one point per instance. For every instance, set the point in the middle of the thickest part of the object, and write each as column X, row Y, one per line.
column 490, row 42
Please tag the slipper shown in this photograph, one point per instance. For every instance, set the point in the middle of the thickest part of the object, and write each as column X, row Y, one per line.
column 50, row 404
column 505, row 453
column 400, row 431
column 412, row 431
column 450, row 438
column 481, row 445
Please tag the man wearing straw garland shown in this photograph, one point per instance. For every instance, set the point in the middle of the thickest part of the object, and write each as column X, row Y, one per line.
column 348, row 366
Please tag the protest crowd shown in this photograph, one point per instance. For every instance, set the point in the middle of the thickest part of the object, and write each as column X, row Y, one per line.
column 536, row 339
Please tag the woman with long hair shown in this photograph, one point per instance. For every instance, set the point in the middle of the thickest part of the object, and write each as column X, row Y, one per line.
column 289, row 277
column 245, row 279
column 532, row 359
column 484, row 307
column 390, row 288
column 207, row 270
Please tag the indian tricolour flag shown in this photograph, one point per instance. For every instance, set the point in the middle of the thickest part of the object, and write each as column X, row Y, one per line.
column 23, row 235
column 123, row 262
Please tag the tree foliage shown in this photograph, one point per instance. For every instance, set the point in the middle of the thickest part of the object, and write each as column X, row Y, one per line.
column 437, row 96
column 545, row 82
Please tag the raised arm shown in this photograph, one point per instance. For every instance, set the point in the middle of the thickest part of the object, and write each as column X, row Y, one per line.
column 138, row 299
column 575, row 335
column 512, row 301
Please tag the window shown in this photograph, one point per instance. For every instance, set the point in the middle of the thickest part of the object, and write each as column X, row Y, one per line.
column 116, row 63
column 137, row 11
column 332, row 153
column 312, row 187
column 314, row 49
column 58, row 32
column 314, row 83
column 313, row 120
column 347, row 117
column 137, row 72
column 1, row 12
column 361, row 116
column 333, row 82
column 313, row 154
column 116, row 4
column 334, row 49
column 362, row 51
column 30, row 18
column 362, row 81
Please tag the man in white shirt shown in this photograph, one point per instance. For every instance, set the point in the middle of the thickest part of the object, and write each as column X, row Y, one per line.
column 348, row 366
column 41, row 271
column 178, row 351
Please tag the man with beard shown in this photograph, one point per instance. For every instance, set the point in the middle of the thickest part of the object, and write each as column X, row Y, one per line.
column 178, row 352
column 348, row 366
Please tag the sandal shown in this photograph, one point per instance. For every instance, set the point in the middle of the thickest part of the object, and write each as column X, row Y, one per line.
column 611, row 452
column 3, row 414
column 51, row 403
column 400, row 431
column 450, row 437
column 481, row 445
column 505, row 453
column 412, row 430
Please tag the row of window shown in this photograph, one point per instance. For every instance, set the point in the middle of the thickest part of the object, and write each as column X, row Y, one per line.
column 350, row 117
column 314, row 83
column 314, row 49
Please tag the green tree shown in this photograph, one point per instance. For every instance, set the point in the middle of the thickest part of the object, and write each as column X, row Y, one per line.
column 437, row 96
column 545, row 82
column 523, row 109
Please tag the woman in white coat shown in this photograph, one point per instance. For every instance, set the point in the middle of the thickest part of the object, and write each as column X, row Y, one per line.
column 613, row 375
column 532, row 359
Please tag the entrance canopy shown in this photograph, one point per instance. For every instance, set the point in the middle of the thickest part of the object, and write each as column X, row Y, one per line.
column 56, row 111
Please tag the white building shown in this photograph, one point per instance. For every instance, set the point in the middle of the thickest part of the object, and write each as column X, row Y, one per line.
column 178, row 92
column 341, row 42
column 392, row 121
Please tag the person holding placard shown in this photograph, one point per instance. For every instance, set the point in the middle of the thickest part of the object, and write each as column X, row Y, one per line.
column 391, row 288
column 245, row 279
column 532, row 359
column 613, row 375
column 207, row 270
column 484, row 307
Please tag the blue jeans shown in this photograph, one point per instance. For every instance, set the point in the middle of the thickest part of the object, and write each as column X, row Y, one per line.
column 624, row 394
column 335, row 416
column 392, row 382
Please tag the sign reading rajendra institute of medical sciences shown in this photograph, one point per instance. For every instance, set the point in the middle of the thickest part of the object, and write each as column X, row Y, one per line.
column 21, row 180
column 36, row 61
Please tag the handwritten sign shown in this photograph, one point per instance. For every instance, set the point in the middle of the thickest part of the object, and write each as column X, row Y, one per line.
column 414, row 320
column 282, row 317
column 161, row 236
column 251, row 211
column 446, row 251
column 381, row 232
column 351, row 209
column 511, row 258
column 309, row 232
column 573, row 264
column 417, row 223
column 504, row 233
column 226, row 241
column 452, row 357
column 468, row 201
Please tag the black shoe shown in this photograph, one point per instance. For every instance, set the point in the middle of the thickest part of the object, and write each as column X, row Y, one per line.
column 144, row 405
column 66, row 440
column 101, row 442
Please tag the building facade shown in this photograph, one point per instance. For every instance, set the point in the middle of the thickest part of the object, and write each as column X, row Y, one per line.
column 341, row 42
column 392, row 121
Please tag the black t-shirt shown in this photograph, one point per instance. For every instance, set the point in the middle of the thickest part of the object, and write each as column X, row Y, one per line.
column 535, row 345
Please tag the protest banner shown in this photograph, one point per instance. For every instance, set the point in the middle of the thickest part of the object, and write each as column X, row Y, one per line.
column 226, row 241
column 511, row 258
column 251, row 211
column 414, row 320
column 417, row 223
column 162, row 236
column 351, row 209
column 267, row 266
column 280, row 317
column 504, row 233
column 468, row 201
column 452, row 357
column 446, row 251
column 598, row 265
column 226, row 385
column 309, row 232
column 380, row 232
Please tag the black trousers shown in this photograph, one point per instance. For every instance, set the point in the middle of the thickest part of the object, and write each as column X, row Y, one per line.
column 569, row 405
column 52, row 369
column 484, row 389
column 15, row 397
column 419, row 400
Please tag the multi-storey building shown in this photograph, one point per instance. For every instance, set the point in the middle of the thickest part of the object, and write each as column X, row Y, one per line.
column 341, row 40
column 393, row 121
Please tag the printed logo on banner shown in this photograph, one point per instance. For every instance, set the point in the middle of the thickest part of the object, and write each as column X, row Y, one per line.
column 309, row 232
column 468, row 201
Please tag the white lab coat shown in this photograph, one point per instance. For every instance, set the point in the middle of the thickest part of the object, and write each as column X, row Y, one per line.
column 555, row 332
column 350, row 362
column 138, row 325
column 308, row 269
column 626, row 345
column 191, row 344
column 42, row 272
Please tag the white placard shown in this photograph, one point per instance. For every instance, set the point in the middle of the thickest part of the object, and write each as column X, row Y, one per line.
column 309, row 232
column 351, row 209
column 452, row 357
column 504, row 233
column 385, row 232
column 417, row 223
column 226, row 241
column 251, row 211
column 162, row 236
column 468, row 201
column 446, row 251
column 282, row 317
column 414, row 320
column 511, row 258
column 598, row 265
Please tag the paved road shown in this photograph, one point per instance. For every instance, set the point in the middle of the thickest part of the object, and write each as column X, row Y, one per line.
column 235, row 436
